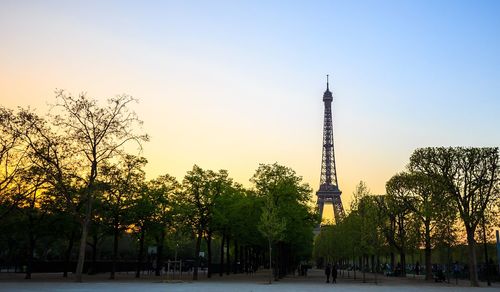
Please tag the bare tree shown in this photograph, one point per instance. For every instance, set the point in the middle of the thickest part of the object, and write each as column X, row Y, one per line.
column 12, row 158
column 51, row 153
column 96, row 134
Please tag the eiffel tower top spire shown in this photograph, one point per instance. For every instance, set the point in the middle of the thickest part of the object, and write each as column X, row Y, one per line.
column 327, row 96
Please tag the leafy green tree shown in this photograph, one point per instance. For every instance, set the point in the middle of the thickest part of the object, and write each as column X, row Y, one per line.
column 223, row 220
column 397, row 223
column 142, row 214
column 285, row 189
column 219, row 184
column 237, row 215
column 272, row 227
column 370, row 241
column 122, row 182
column 200, row 191
column 469, row 176
column 427, row 201
column 163, row 191
column 356, row 236
column 33, row 204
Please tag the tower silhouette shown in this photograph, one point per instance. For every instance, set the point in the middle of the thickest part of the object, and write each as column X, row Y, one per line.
column 329, row 191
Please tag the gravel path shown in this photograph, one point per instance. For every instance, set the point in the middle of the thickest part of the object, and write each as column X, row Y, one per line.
column 240, row 283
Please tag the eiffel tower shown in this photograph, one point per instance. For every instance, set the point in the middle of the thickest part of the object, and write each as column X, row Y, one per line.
column 329, row 191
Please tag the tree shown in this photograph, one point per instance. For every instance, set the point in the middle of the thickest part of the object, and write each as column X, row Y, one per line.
column 290, row 196
column 163, row 192
column 237, row 213
column 272, row 227
column 96, row 135
column 357, row 236
column 33, row 203
column 13, row 159
column 469, row 176
column 201, row 189
column 122, row 182
column 365, row 208
column 427, row 201
column 51, row 153
column 396, row 224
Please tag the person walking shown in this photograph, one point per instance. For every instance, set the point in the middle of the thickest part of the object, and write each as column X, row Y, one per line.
column 327, row 273
column 334, row 273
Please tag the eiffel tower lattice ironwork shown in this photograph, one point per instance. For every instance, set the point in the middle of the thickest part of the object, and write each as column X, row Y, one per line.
column 329, row 191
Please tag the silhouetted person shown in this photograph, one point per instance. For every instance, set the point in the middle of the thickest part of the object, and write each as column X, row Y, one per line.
column 417, row 268
column 327, row 273
column 334, row 273
column 456, row 272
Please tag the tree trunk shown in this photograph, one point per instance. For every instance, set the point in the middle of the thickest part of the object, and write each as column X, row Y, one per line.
column 67, row 256
column 197, row 255
column 31, row 250
column 159, row 259
column 363, row 263
column 354, row 264
column 242, row 258
column 393, row 261
column 83, row 239
column 115, row 249
column 270, row 262
column 428, row 251
column 221, row 268
column 31, row 240
column 281, row 260
column 235, row 258
column 486, row 260
column 402, row 255
column 228, row 257
column 209, row 254
column 140, row 254
column 93, row 267
column 472, row 257
column 245, row 259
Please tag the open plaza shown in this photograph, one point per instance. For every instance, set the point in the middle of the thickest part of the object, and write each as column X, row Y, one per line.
column 315, row 281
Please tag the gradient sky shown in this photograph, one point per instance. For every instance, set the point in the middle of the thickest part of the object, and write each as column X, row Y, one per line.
column 231, row 84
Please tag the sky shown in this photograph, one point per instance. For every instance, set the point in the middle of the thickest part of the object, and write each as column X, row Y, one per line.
column 231, row 84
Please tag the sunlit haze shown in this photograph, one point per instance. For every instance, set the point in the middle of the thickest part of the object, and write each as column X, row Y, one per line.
column 231, row 84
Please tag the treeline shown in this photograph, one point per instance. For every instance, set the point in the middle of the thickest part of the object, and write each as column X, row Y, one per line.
column 67, row 185
column 444, row 196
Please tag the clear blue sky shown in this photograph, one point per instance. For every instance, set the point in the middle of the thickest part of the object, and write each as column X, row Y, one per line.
column 229, row 84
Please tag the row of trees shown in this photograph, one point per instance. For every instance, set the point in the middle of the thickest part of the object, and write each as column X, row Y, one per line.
column 67, row 183
column 445, row 194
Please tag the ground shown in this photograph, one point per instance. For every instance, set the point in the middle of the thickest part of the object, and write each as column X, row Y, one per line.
column 315, row 281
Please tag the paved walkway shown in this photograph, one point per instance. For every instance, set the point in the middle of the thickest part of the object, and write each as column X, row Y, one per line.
column 315, row 281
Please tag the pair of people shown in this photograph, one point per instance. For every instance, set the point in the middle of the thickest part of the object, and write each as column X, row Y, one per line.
column 331, row 270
